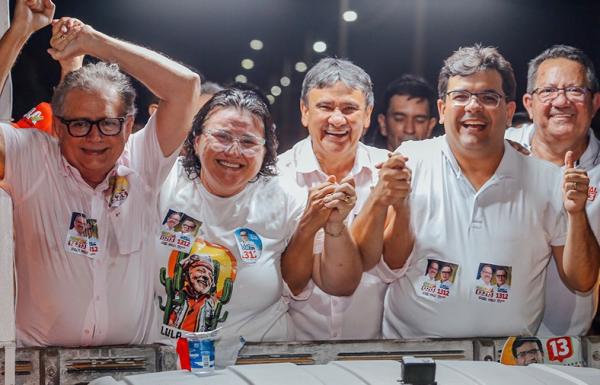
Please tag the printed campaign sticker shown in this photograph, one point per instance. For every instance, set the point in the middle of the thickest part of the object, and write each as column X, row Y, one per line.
column 179, row 230
column 493, row 283
column 118, row 190
column 438, row 280
column 523, row 351
column 82, row 236
column 249, row 245
column 197, row 286
column 592, row 192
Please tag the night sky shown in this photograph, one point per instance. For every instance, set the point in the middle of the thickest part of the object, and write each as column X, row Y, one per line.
column 389, row 37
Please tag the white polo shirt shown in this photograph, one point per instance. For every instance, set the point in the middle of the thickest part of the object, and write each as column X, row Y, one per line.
column 267, row 213
column 73, row 292
column 511, row 222
column 566, row 313
column 317, row 315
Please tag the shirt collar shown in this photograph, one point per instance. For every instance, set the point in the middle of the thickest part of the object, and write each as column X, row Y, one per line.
column 120, row 169
column 307, row 162
column 508, row 164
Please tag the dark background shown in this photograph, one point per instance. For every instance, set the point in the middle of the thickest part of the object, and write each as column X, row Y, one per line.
column 389, row 38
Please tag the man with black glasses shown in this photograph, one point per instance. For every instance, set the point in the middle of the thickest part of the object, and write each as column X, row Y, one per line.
column 474, row 200
column 99, row 291
column 562, row 98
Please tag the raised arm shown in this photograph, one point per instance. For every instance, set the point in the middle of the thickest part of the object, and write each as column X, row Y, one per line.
column 382, row 226
column 578, row 262
column 29, row 16
column 177, row 87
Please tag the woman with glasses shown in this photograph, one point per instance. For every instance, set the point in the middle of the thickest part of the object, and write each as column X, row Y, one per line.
column 229, row 275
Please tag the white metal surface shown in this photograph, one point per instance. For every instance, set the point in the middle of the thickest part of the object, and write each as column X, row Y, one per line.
column 372, row 372
column 7, row 293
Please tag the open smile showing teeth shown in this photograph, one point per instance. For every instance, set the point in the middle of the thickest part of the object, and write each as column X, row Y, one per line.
column 474, row 124
column 336, row 133
column 228, row 164
column 89, row 151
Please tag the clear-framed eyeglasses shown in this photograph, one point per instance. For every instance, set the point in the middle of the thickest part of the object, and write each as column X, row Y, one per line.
column 573, row 93
column 222, row 140
column 81, row 127
column 488, row 99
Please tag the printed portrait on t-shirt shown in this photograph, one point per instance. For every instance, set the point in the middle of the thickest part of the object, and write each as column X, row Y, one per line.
column 197, row 286
column 437, row 279
column 493, row 282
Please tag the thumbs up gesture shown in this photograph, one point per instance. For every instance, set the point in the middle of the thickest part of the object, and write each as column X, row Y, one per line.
column 575, row 186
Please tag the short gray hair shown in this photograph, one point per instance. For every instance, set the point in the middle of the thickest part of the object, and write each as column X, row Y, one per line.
column 92, row 77
column 467, row 61
column 329, row 71
column 564, row 52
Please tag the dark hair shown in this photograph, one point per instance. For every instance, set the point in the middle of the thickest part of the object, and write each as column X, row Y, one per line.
column 93, row 77
column 448, row 266
column 564, row 52
column 519, row 341
column 241, row 96
column 467, row 61
column 412, row 86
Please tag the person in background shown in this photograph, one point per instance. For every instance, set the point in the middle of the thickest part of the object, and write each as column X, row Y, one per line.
column 562, row 97
column 407, row 113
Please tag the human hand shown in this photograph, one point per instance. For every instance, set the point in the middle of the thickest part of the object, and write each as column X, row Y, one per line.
column 32, row 15
column 393, row 186
column 316, row 214
column 69, row 40
column 575, row 186
column 341, row 201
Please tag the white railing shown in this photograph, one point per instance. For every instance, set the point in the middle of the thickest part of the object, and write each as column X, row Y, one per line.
column 7, row 288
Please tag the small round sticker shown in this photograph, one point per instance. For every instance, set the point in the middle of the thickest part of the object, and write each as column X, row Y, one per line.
column 249, row 245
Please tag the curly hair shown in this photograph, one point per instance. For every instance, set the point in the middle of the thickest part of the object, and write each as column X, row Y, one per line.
column 241, row 97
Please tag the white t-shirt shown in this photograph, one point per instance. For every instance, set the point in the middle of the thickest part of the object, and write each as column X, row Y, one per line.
column 566, row 313
column 511, row 222
column 75, row 291
column 317, row 315
column 244, row 234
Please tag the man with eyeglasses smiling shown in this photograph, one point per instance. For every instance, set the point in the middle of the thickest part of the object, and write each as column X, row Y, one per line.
column 476, row 201
column 562, row 98
column 100, row 293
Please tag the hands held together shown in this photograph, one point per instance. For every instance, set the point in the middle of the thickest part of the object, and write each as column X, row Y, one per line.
column 329, row 204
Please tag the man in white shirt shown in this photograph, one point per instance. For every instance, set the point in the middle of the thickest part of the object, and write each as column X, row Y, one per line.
column 562, row 98
column 336, row 105
column 475, row 200
column 100, row 293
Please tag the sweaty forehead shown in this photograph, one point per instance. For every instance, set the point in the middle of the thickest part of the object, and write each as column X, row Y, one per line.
column 487, row 80
column 235, row 119
column 93, row 104
column 561, row 72
column 338, row 93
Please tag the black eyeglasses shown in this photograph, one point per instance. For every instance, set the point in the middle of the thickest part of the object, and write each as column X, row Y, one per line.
column 81, row 127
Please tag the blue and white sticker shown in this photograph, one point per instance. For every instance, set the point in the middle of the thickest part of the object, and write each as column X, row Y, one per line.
column 249, row 245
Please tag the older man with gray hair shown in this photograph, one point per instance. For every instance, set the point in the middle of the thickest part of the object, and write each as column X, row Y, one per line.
column 332, row 164
column 97, row 290
column 475, row 200
column 563, row 95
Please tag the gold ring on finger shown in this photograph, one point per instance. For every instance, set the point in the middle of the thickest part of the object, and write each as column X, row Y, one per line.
column 347, row 198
